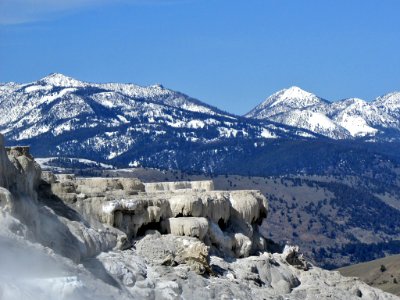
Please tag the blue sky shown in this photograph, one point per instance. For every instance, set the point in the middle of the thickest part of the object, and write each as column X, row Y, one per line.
column 231, row 54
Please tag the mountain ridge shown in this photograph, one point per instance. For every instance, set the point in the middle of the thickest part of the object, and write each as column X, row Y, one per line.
column 104, row 121
column 350, row 117
column 113, row 121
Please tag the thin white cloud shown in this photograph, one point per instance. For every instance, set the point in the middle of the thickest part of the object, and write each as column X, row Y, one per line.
column 24, row 11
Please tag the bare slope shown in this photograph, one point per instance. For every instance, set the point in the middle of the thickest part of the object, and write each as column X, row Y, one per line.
column 382, row 273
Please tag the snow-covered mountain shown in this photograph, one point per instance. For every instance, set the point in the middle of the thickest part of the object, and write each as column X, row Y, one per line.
column 110, row 121
column 286, row 100
column 120, row 123
column 348, row 118
column 57, row 103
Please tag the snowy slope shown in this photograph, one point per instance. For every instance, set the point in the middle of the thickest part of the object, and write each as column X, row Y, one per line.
column 348, row 118
column 389, row 103
column 58, row 103
column 358, row 116
column 314, row 121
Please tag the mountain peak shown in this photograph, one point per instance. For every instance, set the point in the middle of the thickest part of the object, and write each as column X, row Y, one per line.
column 353, row 101
column 56, row 75
column 58, row 79
column 294, row 92
column 284, row 100
column 293, row 96
column 157, row 86
column 295, row 88
column 390, row 100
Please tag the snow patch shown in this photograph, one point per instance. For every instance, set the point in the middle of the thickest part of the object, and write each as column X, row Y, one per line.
column 317, row 120
column 50, row 98
column 134, row 164
column 357, row 126
column 265, row 133
column 195, row 124
column 61, row 80
column 46, row 161
column 34, row 88
column 123, row 119
column 62, row 128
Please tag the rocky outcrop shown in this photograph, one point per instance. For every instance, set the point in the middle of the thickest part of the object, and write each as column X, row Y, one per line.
column 50, row 223
column 19, row 172
column 194, row 227
column 225, row 221
column 172, row 250
column 293, row 256
column 69, row 188
column 4, row 165
column 151, row 272
column 26, row 172
column 6, row 199
column 205, row 186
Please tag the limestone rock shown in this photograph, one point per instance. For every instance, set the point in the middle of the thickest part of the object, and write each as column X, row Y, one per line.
column 201, row 186
column 171, row 250
column 5, row 166
column 130, row 215
column 48, row 177
column 186, row 226
column 242, row 245
column 293, row 256
column 18, row 170
column 216, row 206
column 223, row 241
column 6, row 200
column 170, row 208
column 130, row 186
column 26, row 171
column 186, row 204
column 250, row 206
column 51, row 223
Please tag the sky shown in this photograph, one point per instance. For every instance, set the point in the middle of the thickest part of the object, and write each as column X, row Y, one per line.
column 230, row 54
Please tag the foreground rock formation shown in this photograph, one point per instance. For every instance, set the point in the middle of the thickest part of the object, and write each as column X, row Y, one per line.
column 63, row 237
column 227, row 221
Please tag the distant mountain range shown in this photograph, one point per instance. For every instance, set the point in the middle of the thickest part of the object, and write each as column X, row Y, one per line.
column 126, row 124
column 348, row 118
column 59, row 115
